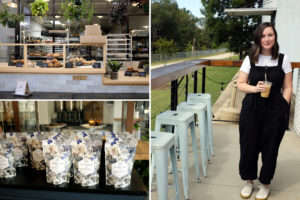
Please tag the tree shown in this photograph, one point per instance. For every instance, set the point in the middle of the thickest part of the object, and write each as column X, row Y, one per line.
column 236, row 30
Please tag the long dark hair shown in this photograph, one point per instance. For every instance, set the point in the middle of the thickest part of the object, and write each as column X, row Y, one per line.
column 256, row 49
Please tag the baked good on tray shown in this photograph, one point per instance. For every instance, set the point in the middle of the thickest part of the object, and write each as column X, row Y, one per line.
column 50, row 55
column 54, row 60
column 130, row 69
column 56, row 55
column 50, row 64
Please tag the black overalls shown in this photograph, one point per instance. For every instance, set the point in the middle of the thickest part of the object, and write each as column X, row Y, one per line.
column 262, row 124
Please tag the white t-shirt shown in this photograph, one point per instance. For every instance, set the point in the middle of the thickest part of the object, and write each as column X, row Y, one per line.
column 266, row 60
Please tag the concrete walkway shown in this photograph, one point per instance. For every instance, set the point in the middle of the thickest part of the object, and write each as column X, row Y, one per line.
column 223, row 181
column 221, row 56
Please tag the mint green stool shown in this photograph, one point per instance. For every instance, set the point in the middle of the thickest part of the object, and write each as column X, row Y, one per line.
column 162, row 144
column 182, row 121
column 200, row 110
column 204, row 98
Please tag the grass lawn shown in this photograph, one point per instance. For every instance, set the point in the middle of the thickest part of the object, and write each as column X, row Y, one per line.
column 160, row 97
column 178, row 60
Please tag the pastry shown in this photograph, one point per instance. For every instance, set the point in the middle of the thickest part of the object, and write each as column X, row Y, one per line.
column 58, row 64
column 61, row 54
column 76, row 59
column 38, row 54
column 38, row 41
column 50, row 54
column 54, row 60
column 84, row 62
column 130, row 69
column 44, row 54
column 31, row 54
column 89, row 62
column 93, row 61
column 72, row 59
column 56, row 55
column 50, row 64
column 47, row 61
column 30, row 64
column 22, row 61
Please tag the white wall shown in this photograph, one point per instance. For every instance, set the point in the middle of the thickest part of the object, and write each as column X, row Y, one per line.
column 117, row 114
column 45, row 111
column 108, row 113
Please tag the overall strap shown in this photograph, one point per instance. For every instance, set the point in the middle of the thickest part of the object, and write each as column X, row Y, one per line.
column 280, row 61
column 252, row 64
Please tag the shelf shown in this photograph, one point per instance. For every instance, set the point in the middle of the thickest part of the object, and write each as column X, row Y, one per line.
column 118, row 39
column 126, row 80
column 118, row 49
column 118, row 53
column 120, row 44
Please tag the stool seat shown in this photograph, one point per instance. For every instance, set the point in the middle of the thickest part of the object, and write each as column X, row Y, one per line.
column 192, row 107
column 162, row 144
column 198, row 96
column 161, row 140
column 174, row 117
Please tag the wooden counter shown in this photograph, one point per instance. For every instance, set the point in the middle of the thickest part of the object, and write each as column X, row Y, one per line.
column 142, row 150
column 126, row 80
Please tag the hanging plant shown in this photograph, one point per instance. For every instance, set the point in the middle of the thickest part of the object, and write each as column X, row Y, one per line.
column 118, row 14
column 71, row 11
column 6, row 17
column 39, row 7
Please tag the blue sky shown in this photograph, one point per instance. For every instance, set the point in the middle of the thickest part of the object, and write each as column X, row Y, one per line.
column 192, row 5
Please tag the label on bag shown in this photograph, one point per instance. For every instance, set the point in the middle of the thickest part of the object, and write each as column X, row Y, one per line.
column 57, row 165
column 86, row 166
column 3, row 162
column 119, row 169
column 38, row 155
column 18, row 154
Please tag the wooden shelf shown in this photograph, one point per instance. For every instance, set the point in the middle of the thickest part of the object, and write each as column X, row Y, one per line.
column 126, row 80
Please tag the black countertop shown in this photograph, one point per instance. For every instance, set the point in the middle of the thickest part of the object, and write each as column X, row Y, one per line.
column 28, row 178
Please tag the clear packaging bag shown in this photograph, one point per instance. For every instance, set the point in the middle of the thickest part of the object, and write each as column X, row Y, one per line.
column 120, row 149
column 35, row 147
column 86, row 154
column 7, row 160
column 20, row 148
column 57, row 154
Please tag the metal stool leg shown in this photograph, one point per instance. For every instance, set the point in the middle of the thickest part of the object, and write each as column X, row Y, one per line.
column 174, row 164
column 209, row 120
column 203, row 144
column 161, row 173
column 208, row 145
column 152, row 168
column 194, row 141
column 184, row 153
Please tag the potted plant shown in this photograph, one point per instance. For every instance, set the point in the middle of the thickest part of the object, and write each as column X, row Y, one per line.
column 136, row 130
column 6, row 17
column 39, row 7
column 118, row 14
column 146, row 68
column 115, row 67
column 146, row 7
column 71, row 9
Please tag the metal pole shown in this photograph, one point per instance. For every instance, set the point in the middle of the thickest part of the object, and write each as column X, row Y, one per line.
column 195, row 81
column 174, row 94
column 203, row 79
column 186, row 87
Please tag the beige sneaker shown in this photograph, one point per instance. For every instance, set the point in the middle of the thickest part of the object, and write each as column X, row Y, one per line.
column 247, row 191
column 263, row 193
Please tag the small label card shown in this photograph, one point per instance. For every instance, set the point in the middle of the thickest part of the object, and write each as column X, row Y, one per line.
column 78, row 63
column 96, row 65
column 127, row 73
column 11, row 63
column 22, row 88
column 142, row 74
column 45, row 65
column 39, row 63
column 19, row 64
column 69, row 65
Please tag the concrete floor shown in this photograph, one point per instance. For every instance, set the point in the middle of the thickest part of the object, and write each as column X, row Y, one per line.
column 223, row 181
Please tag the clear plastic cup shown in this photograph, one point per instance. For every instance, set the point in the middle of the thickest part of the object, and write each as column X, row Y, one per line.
column 267, row 92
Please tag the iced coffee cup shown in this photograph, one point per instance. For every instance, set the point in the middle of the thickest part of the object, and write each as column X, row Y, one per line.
column 267, row 92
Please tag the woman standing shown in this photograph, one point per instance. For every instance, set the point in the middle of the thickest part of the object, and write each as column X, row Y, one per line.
column 262, row 119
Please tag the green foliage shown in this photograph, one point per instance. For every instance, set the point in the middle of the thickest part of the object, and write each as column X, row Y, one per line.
column 136, row 126
column 146, row 137
column 6, row 15
column 214, row 46
column 162, row 45
column 114, row 65
column 118, row 14
column 39, row 7
column 142, row 168
column 236, row 30
column 172, row 23
column 83, row 11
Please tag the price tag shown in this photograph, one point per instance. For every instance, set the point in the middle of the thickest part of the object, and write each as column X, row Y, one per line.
column 45, row 65
column 78, row 63
column 19, row 64
column 142, row 74
column 11, row 64
column 1, row 107
column 39, row 63
column 69, row 65
column 22, row 88
column 127, row 73
column 96, row 65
